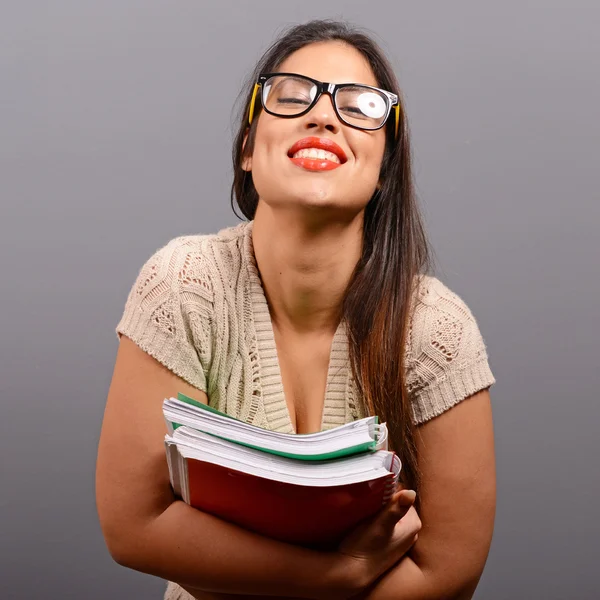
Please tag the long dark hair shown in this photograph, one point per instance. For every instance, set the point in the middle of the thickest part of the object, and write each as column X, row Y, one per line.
column 395, row 249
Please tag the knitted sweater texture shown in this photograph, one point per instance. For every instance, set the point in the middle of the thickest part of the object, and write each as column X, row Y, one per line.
column 199, row 308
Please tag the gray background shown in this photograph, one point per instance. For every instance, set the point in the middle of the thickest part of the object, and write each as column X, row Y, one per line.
column 115, row 133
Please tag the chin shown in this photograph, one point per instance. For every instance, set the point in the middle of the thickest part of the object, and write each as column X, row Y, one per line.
column 319, row 198
column 316, row 194
column 321, row 204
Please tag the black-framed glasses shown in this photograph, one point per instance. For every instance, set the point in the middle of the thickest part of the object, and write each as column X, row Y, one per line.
column 289, row 95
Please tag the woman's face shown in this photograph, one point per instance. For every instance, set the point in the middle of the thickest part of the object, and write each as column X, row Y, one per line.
column 282, row 181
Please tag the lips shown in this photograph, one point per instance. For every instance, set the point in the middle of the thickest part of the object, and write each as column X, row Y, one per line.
column 317, row 164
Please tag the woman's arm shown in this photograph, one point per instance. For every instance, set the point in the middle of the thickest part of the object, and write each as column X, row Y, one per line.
column 457, row 508
column 457, row 504
column 148, row 530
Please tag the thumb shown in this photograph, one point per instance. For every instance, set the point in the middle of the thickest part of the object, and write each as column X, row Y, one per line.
column 398, row 506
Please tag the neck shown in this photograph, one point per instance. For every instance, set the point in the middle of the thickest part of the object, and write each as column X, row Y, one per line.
column 305, row 266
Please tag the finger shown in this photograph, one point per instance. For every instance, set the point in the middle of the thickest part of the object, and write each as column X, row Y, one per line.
column 411, row 522
column 398, row 506
column 405, row 497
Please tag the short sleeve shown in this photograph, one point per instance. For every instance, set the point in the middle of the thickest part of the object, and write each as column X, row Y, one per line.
column 446, row 359
column 160, row 318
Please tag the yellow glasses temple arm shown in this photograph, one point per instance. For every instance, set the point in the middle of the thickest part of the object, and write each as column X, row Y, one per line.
column 252, row 102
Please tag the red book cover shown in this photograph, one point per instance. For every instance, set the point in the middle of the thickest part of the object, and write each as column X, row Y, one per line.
column 303, row 515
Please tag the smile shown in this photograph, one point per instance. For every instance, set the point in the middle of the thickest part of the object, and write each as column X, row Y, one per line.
column 317, row 154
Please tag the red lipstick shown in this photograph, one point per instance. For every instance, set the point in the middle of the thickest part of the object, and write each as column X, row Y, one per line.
column 317, row 164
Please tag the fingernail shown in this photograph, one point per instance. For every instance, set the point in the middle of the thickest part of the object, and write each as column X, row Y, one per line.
column 410, row 494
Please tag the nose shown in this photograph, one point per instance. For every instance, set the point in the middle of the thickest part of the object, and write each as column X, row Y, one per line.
column 322, row 115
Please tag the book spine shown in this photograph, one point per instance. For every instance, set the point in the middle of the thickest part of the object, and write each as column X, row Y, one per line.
column 169, row 424
column 389, row 489
column 185, row 480
column 381, row 437
column 172, row 461
column 392, row 481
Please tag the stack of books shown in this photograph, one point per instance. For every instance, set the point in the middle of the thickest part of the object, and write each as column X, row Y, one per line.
column 306, row 489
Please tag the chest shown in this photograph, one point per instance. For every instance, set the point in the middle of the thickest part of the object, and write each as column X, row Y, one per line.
column 304, row 368
column 283, row 383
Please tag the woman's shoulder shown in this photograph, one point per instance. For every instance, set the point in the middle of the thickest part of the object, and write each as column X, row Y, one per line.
column 204, row 244
column 433, row 295
column 447, row 357
column 194, row 260
column 441, row 321
column 169, row 310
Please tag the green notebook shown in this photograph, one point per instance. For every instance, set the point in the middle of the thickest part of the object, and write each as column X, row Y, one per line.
column 355, row 437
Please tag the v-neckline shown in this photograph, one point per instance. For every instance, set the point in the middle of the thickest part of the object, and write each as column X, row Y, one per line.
column 335, row 409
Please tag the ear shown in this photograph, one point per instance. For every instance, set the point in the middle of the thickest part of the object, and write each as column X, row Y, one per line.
column 247, row 160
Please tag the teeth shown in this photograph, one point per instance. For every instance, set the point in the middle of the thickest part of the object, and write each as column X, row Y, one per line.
column 318, row 154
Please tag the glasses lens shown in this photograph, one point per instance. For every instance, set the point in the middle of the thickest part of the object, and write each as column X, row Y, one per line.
column 362, row 107
column 286, row 95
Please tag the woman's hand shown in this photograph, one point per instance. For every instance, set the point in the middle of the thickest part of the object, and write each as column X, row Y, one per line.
column 365, row 553
column 378, row 544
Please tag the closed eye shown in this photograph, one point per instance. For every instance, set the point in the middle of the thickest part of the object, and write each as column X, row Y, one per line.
column 353, row 111
column 293, row 101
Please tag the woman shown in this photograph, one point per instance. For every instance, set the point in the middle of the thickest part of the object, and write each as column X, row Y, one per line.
column 315, row 312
